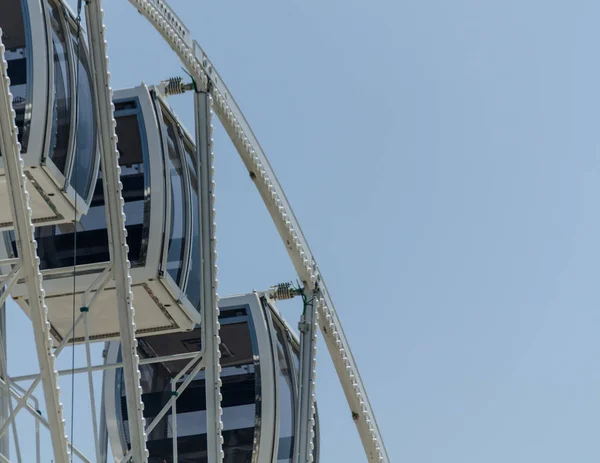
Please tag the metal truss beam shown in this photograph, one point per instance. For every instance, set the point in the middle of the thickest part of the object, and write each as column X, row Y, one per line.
column 26, row 246
column 34, row 412
column 110, row 366
column 115, row 219
column 9, row 282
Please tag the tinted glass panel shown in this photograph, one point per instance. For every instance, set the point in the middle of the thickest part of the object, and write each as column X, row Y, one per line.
column 17, row 56
column 61, row 120
column 193, row 284
column 176, row 250
column 55, row 242
column 286, row 401
column 85, row 146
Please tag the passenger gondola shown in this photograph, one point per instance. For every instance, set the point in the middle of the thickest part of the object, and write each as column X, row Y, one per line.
column 53, row 98
column 160, row 191
column 260, row 363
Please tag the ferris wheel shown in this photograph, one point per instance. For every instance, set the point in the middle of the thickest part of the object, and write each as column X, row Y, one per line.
column 107, row 211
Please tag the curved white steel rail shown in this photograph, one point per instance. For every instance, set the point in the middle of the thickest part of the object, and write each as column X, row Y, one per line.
column 177, row 35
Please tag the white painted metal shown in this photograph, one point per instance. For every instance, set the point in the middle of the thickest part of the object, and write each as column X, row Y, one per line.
column 111, row 366
column 6, row 394
column 88, row 358
column 9, row 282
column 5, row 398
column 305, row 419
column 180, row 390
column 269, row 373
column 36, row 404
column 26, row 245
column 115, row 219
column 34, row 412
column 103, row 437
column 173, row 30
column 22, row 402
column 208, row 290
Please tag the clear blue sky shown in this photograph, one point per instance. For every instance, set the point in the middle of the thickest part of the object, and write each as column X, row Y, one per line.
column 443, row 159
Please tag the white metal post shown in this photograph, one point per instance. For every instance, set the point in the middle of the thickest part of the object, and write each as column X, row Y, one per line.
column 305, row 418
column 88, row 358
column 103, row 437
column 110, row 366
column 115, row 219
column 6, row 398
column 40, row 419
column 26, row 246
column 208, row 287
column 4, row 394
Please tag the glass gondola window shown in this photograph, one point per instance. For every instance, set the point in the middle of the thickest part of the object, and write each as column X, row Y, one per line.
column 176, row 249
column 240, row 389
column 132, row 148
column 193, row 284
column 18, row 57
column 55, row 242
column 61, row 120
column 85, row 147
column 286, row 399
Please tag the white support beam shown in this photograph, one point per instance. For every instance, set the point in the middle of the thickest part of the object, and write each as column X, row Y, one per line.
column 36, row 380
column 5, row 399
column 115, row 219
column 9, row 282
column 103, row 437
column 88, row 360
column 208, row 287
column 40, row 419
column 30, row 270
column 197, row 63
column 305, row 419
column 36, row 404
column 110, row 366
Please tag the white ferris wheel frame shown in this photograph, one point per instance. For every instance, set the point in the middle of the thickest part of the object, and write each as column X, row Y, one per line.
column 211, row 94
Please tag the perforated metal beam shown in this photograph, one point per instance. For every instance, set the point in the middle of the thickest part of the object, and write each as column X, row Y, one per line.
column 115, row 219
column 208, row 287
